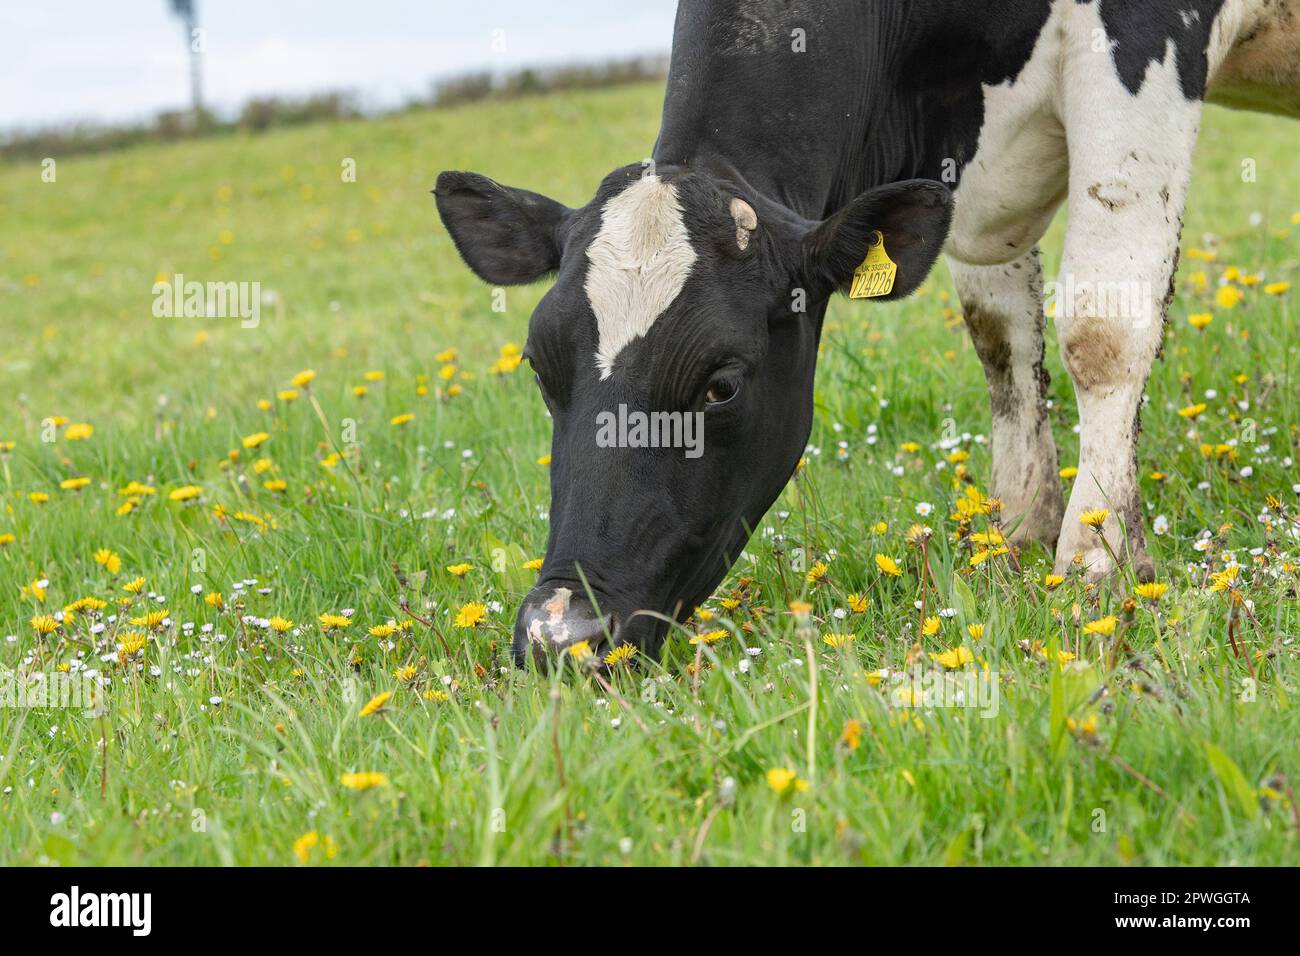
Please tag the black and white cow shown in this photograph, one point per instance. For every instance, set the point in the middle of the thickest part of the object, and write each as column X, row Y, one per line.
column 792, row 131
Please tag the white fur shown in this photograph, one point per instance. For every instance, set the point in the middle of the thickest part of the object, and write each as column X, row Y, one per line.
column 639, row 262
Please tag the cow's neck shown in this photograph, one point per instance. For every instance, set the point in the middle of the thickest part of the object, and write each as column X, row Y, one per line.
column 882, row 91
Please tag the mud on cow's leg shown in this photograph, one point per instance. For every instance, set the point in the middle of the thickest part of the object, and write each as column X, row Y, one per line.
column 1130, row 161
column 1003, row 305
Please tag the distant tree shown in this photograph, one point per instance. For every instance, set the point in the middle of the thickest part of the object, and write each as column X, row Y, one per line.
column 187, row 11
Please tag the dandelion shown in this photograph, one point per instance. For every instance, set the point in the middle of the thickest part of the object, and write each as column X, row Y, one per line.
column 287, row 394
column 279, row 624
column 1273, row 288
column 534, row 564
column 7, row 538
column 404, row 419
column 1151, row 591
column 1094, row 519
column 888, row 565
column 851, row 735
column 38, row 497
column 44, row 624
column 817, row 572
column 620, row 656
column 303, row 846
column 857, row 603
column 800, row 608
column 437, row 696
column 407, row 674
column 375, row 704
column 131, row 643
column 544, row 460
column 1104, row 626
column 1069, row 472
column 303, row 378
column 838, row 641
column 365, row 780
column 276, row 485
column 383, row 630
column 186, row 493
column 74, row 484
column 581, row 651
column 783, row 781
column 151, row 620
column 709, row 638
column 976, row 631
column 1192, row 411
column 79, row 431
column 954, row 657
column 134, row 586
column 109, row 559
column 930, row 626
column 1228, row 297
column 255, row 440
column 471, row 614
column 333, row 622
column 459, row 570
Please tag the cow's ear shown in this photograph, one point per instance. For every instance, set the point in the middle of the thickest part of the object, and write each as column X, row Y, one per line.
column 912, row 217
column 507, row 236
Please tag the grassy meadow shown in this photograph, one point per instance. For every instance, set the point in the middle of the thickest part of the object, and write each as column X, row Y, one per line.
column 213, row 532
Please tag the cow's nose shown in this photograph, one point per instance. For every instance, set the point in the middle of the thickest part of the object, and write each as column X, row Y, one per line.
column 552, row 620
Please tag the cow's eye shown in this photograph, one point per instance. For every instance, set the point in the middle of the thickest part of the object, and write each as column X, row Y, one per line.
column 721, row 391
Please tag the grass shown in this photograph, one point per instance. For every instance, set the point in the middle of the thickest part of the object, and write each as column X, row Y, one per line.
column 227, row 741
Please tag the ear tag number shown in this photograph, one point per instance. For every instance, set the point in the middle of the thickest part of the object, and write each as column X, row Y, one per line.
column 875, row 277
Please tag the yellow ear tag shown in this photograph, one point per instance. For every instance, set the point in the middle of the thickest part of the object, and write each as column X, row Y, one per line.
column 875, row 277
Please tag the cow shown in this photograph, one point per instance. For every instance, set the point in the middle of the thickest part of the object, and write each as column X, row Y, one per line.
column 809, row 147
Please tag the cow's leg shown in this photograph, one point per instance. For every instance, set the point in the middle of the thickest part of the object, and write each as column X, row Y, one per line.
column 1004, row 312
column 1130, row 161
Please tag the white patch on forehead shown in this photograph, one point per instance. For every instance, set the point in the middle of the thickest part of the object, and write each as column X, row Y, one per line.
column 639, row 261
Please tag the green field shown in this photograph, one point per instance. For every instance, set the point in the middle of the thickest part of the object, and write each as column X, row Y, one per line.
column 220, row 739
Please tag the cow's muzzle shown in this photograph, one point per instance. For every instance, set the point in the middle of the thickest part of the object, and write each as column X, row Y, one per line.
column 553, row 620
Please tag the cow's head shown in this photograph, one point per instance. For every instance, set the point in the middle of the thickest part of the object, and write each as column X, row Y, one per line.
column 686, row 311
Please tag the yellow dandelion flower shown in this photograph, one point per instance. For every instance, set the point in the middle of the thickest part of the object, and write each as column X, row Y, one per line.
column 109, row 559
column 954, row 657
column 888, row 565
column 709, row 637
column 280, row 624
column 1104, row 626
column 930, row 626
column 287, row 394
column 303, row 846
column 134, row 586
column 1228, row 297
column 1095, row 519
column 838, row 641
column 817, row 572
column 535, row 564
column 471, row 614
column 255, row 440
column 132, row 643
column 783, row 781
column 976, row 631
column 1151, row 591
column 365, row 780
column 1277, row 288
column 79, row 431
column 38, row 497
column 459, row 570
column 404, row 419
column 73, row 484
column 44, row 624
column 303, row 378
column 1069, row 472
column 7, row 538
column 374, row 704
column 857, row 603
column 1199, row 320
column 621, row 655
column 334, row 622
column 1192, row 411
column 383, row 630
column 186, row 493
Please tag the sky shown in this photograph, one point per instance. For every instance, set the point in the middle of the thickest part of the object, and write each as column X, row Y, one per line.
column 113, row 60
